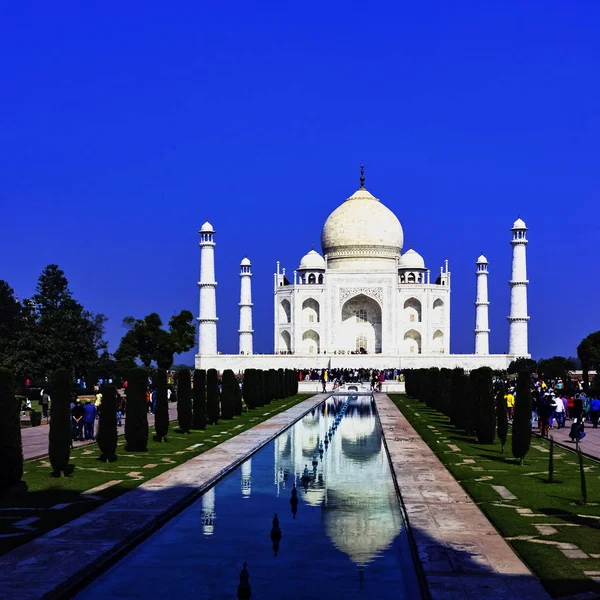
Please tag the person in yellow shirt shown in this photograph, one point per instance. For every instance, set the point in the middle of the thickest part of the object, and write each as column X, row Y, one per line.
column 510, row 404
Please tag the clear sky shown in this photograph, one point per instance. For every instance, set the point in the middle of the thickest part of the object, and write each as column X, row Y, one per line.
column 123, row 125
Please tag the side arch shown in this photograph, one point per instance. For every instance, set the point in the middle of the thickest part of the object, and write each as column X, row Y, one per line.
column 311, row 342
column 285, row 311
column 412, row 342
column 413, row 311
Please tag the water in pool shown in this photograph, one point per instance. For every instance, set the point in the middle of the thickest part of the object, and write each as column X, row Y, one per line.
column 344, row 537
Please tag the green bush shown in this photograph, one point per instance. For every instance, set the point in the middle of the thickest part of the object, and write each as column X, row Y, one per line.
column 501, row 414
column 199, row 395
column 483, row 400
column 228, row 385
column 11, row 464
column 59, row 447
column 271, row 384
column 281, row 393
column 107, row 423
column 249, row 389
column 184, row 400
column 521, row 430
column 212, row 396
column 161, row 410
column 237, row 404
column 260, row 387
column 136, row 416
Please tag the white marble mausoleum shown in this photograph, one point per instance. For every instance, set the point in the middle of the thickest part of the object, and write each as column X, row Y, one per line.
column 362, row 302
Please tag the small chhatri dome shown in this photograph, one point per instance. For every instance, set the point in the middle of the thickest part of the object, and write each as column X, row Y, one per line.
column 482, row 260
column 312, row 261
column 519, row 224
column 207, row 228
column 245, row 262
column 411, row 260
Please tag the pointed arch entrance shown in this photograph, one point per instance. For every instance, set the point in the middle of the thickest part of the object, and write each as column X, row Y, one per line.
column 361, row 320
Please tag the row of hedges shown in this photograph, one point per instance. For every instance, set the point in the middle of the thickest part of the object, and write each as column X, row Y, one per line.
column 474, row 404
column 260, row 387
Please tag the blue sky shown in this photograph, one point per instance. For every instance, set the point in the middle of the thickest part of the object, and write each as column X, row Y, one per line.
column 124, row 125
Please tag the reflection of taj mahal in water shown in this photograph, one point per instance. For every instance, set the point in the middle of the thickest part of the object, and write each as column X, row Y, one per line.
column 363, row 302
column 361, row 520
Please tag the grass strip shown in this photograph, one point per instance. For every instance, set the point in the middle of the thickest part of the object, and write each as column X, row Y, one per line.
column 131, row 470
column 557, row 504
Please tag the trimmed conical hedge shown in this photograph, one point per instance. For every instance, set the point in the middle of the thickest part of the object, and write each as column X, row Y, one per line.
column 107, row 423
column 161, row 411
column 59, row 447
column 136, row 415
column 212, row 397
column 249, row 389
column 11, row 452
column 521, row 430
column 228, row 385
column 184, row 400
column 199, row 396
column 483, row 400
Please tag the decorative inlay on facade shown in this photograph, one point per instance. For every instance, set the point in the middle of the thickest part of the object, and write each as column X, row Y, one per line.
column 373, row 292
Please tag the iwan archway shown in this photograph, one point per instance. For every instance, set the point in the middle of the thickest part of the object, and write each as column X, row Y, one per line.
column 360, row 320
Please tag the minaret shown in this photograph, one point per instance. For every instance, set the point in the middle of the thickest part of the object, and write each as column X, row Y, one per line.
column 482, row 331
column 245, row 331
column 518, row 344
column 207, row 330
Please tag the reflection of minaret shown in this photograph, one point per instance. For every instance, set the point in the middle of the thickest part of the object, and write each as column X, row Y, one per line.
column 247, row 478
column 208, row 512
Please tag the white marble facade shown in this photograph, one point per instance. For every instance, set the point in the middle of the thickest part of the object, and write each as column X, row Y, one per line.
column 362, row 302
column 363, row 295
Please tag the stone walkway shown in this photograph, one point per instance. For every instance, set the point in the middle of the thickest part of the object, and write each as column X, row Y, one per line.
column 590, row 445
column 35, row 439
column 50, row 565
column 462, row 555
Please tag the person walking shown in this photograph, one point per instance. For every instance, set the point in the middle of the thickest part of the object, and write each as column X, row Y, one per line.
column 595, row 411
column 77, row 421
column 45, row 403
column 89, row 416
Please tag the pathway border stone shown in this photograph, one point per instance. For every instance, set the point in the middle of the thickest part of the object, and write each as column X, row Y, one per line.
column 57, row 562
column 461, row 554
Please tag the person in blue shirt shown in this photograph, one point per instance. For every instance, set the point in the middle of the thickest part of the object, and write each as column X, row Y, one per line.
column 594, row 411
column 89, row 417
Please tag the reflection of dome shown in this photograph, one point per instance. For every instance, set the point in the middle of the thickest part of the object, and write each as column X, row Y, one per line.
column 312, row 261
column 361, row 449
column 411, row 260
column 362, row 228
column 363, row 521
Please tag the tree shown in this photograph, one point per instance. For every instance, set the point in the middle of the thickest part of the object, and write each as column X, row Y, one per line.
column 136, row 421
column 199, row 396
column 270, row 385
column 483, row 400
column 261, row 391
column 161, row 412
column 57, row 333
column 249, row 388
column 522, row 364
column 237, row 406
column 184, row 400
column 59, row 447
column 147, row 340
column 521, row 430
column 11, row 463
column 588, row 353
column 456, row 399
column 10, row 324
column 501, row 414
column 555, row 367
column 228, row 394
column 212, row 396
column 107, row 424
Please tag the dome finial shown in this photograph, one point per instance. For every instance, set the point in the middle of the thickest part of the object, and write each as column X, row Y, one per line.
column 411, row 246
column 362, row 177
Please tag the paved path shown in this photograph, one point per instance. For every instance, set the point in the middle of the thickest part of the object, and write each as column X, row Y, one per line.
column 590, row 444
column 35, row 439
column 462, row 555
column 49, row 565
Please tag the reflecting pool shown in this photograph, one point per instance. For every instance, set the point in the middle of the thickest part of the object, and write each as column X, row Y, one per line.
column 338, row 529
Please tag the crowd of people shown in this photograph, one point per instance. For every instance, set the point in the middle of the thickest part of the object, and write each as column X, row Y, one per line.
column 337, row 377
column 553, row 404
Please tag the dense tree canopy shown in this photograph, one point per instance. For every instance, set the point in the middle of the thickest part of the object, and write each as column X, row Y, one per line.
column 50, row 331
column 147, row 341
column 555, row 367
column 522, row 364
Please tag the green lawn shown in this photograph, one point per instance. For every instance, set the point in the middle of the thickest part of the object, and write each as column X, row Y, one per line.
column 132, row 468
column 557, row 504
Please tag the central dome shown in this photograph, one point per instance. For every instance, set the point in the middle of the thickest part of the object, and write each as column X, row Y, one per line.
column 362, row 228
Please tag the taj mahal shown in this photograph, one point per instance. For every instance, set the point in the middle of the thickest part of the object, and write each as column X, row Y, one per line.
column 362, row 302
